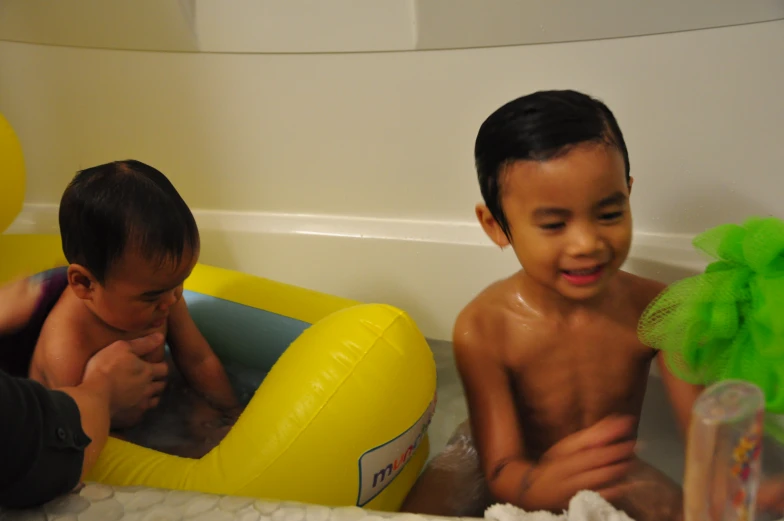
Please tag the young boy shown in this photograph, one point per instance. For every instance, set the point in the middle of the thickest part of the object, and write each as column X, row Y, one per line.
column 130, row 241
column 552, row 368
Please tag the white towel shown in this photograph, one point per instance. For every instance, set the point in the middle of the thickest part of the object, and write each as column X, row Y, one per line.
column 584, row 506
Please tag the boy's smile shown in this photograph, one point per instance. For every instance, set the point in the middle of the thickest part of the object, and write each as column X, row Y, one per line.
column 585, row 276
column 569, row 218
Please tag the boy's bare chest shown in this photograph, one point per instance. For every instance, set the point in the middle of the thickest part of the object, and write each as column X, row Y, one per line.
column 593, row 345
column 568, row 379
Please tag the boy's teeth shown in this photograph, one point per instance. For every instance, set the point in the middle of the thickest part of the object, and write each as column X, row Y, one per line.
column 582, row 272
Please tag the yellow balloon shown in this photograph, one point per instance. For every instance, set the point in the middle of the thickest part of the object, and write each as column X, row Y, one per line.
column 12, row 175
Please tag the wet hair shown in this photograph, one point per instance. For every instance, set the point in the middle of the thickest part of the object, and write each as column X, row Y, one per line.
column 109, row 208
column 539, row 127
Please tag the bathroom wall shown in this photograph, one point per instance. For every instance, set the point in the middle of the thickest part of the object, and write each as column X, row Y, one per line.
column 351, row 172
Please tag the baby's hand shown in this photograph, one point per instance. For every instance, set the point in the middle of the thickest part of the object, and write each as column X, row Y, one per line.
column 232, row 415
column 214, row 431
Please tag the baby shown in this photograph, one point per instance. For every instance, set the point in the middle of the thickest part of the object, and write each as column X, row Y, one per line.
column 553, row 371
column 131, row 241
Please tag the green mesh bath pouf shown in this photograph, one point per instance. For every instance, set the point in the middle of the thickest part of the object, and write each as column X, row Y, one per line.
column 728, row 322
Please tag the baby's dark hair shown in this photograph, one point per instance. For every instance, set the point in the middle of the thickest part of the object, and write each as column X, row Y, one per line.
column 109, row 208
column 539, row 127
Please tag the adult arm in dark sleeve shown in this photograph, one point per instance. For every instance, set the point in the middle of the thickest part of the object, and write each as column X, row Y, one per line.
column 43, row 441
column 49, row 439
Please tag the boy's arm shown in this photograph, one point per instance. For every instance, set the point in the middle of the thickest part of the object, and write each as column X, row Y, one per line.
column 198, row 363
column 682, row 394
column 493, row 415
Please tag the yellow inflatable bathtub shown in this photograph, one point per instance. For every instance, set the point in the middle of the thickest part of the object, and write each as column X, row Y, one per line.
column 340, row 419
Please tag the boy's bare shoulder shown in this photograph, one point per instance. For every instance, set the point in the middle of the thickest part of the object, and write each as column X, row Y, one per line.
column 640, row 291
column 483, row 320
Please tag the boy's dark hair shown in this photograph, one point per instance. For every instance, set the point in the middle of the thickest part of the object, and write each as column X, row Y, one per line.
column 109, row 207
column 539, row 127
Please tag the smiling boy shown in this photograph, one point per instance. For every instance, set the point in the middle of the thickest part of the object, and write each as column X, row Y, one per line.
column 553, row 371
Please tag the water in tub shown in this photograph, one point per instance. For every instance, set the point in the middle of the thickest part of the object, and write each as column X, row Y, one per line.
column 164, row 428
column 184, row 424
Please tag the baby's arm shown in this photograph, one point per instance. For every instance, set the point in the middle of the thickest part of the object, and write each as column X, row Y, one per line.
column 58, row 363
column 198, row 363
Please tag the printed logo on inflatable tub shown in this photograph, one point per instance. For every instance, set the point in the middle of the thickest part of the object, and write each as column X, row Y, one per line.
column 379, row 466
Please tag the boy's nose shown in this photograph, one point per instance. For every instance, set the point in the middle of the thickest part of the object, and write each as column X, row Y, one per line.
column 585, row 241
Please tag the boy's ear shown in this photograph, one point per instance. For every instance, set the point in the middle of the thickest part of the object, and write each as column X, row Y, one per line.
column 491, row 226
column 81, row 281
column 631, row 182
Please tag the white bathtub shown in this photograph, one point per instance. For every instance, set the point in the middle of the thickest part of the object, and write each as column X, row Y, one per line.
column 429, row 268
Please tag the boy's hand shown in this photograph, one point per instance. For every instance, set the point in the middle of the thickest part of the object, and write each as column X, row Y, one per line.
column 770, row 498
column 597, row 458
column 610, row 430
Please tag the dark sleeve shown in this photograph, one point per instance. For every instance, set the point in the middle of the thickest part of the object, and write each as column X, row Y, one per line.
column 41, row 443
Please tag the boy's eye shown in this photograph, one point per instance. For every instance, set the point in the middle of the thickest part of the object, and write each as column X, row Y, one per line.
column 552, row 226
column 611, row 216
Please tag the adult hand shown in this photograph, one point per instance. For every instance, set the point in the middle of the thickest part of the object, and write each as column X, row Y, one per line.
column 597, row 458
column 18, row 300
column 132, row 382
